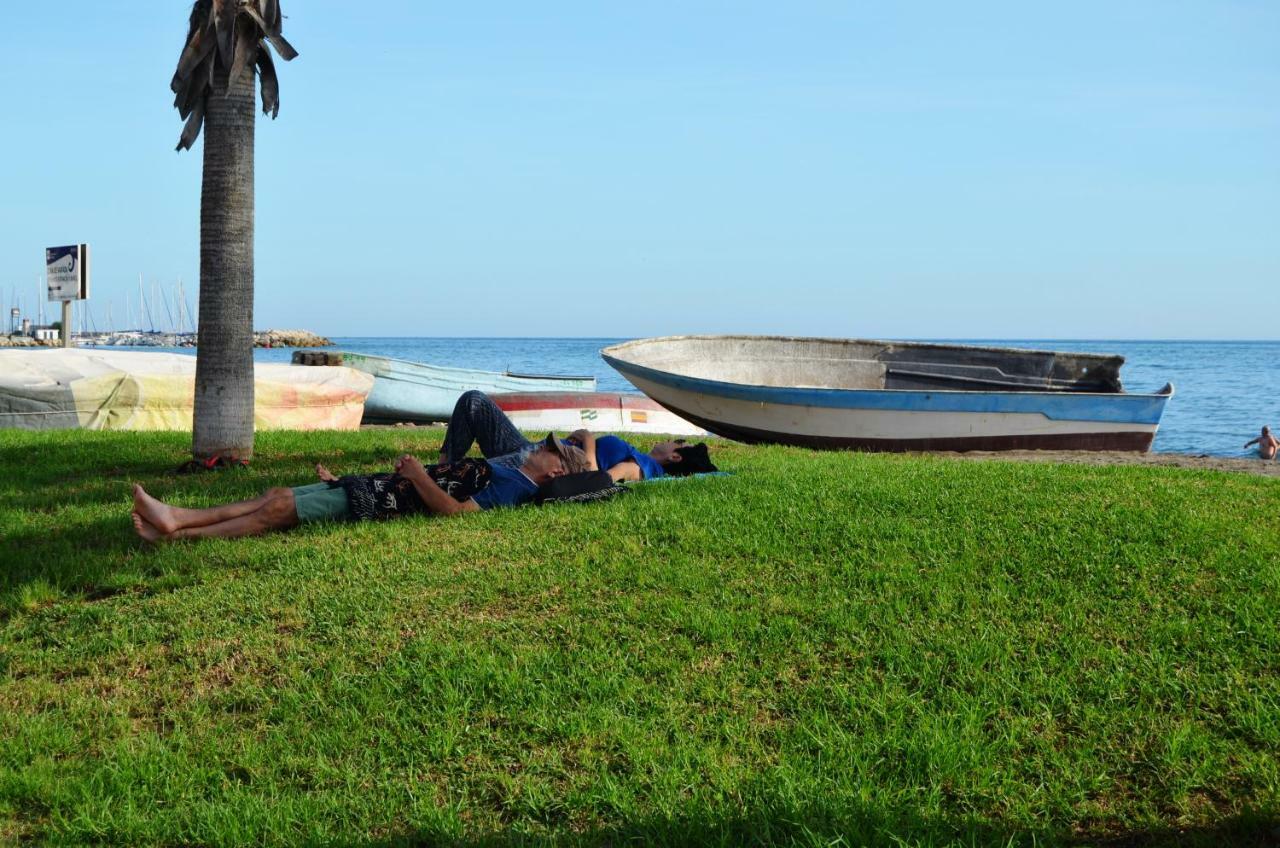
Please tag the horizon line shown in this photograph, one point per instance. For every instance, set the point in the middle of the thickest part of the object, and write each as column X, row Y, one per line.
column 869, row 338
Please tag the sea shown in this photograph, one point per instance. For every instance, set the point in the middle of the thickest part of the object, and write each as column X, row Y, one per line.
column 1224, row 390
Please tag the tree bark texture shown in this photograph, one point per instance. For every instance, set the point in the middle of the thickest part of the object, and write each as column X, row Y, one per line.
column 223, row 421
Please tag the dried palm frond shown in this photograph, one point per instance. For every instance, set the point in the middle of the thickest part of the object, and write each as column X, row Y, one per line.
column 224, row 41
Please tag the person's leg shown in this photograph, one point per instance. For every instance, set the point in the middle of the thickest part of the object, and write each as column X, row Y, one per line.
column 478, row 419
column 167, row 519
column 276, row 513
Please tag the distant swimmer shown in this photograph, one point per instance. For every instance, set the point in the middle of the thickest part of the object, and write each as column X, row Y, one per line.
column 1267, row 444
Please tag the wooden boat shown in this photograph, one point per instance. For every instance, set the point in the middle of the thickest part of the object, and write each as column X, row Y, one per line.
column 892, row 396
column 416, row 391
column 604, row 412
column 70, row 388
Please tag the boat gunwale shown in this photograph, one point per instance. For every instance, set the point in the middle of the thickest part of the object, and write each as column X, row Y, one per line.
column 847, row 341
column 522, row 376
column 451, row 369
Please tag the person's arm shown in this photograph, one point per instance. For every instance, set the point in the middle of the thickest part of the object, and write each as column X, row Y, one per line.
column 437, row 499
column 627, row 470
column 587, row 441
column 1253, row 441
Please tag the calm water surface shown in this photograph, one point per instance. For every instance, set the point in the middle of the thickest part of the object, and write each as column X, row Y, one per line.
column 1225, row 390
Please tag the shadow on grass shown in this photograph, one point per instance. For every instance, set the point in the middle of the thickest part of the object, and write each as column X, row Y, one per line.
column 782, row 825
column 84, row 559
column 44, row 469
column 860, row 826
column 48, row 470
column 1248, row 830
column 68, row 527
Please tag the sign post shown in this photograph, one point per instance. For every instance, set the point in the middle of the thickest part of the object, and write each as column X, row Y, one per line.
column 67, row 271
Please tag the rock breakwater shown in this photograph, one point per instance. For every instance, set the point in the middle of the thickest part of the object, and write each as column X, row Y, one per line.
column 261, row 338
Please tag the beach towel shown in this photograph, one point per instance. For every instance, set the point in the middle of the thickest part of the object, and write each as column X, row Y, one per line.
column 671, row 479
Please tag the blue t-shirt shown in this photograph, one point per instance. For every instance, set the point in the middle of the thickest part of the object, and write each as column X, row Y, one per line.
column 515, row 459
column 507, row 487
column 610, row 450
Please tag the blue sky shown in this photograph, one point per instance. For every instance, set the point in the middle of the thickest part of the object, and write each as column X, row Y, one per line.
column 924, row 170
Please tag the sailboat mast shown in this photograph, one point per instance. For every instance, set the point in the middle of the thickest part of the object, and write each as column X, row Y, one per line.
column 144, row 312
column 182, row 314
column 186, row 307
column 168, row 311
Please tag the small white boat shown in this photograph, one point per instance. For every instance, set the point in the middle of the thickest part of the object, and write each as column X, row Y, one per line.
column 74, row 388
column 867, row 395
column 604, row 412
column 418, row 392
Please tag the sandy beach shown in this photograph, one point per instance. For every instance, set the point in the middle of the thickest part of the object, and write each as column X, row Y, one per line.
column 1197, row 462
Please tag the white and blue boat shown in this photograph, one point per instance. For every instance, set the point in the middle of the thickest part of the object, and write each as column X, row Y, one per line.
column 892, row 396
column 418, row 392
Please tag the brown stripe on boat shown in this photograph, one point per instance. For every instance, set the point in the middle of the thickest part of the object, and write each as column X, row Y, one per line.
column 533, row 401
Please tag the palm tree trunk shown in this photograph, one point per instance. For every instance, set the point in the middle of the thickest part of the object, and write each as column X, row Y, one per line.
column 223, row 422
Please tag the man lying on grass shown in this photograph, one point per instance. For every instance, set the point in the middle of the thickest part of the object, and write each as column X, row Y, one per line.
column 478, row 420
column 412, row 489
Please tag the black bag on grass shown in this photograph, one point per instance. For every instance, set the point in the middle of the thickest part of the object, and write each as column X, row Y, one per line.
column 574, row 488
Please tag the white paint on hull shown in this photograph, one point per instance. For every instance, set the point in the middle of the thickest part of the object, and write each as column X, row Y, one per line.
column 887, row 424
column 658, row 422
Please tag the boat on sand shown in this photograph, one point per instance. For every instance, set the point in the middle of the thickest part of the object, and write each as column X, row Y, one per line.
column 892, row 396
column 604, row 412
column 419, row 392
column 69, row 388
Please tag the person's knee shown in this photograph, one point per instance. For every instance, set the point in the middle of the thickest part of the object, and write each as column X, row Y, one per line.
column 280, row 509
column 473, row 399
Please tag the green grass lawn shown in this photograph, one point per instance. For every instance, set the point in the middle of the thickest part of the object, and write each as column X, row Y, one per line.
column 823, row 648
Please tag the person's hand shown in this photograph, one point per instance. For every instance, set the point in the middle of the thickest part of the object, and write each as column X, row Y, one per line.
column 578, row 437
column 410, row 466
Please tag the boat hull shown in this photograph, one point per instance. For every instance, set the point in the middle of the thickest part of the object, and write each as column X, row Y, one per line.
column 606, row 412
column 901, row 420
column 1138, row 441
column 419, row 392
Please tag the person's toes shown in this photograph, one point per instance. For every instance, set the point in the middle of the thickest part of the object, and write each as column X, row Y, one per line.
column 146, row 530
column 155, row 513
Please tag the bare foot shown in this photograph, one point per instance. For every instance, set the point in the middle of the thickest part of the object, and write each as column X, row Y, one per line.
column 324, row 474
column 146, row 530
column 158, row 515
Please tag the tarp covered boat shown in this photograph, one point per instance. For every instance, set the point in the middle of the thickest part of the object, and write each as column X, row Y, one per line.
column 68, row 388
column 876, row 395
column 605, row 412
column 418, row 392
